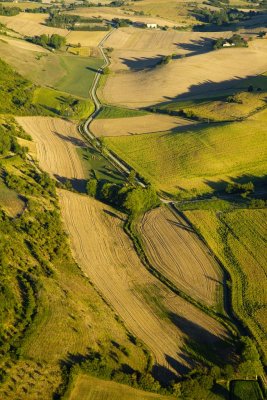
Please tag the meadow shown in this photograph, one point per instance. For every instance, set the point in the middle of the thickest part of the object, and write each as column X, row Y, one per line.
column 245, row 390
column 198, row 160
column 57, row 70
column 238, row 238
column 89, row 388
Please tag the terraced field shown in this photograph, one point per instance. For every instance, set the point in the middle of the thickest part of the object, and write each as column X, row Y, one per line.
column 163, row 321
column 175, row 250
column 199, row 159
column 239, row 240
column 138, row 125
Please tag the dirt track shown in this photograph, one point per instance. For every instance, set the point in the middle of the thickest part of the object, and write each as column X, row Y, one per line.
column 180, row 256
column 106, row 255
column 137, row 125
column 56, row 142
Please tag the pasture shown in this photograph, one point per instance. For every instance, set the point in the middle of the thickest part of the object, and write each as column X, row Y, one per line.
column 162, row 321
column 199, row 160
column 177, row 253
column 199, row 73
column 238, row 239
column 137, row 125
column 10, row 201
column 245, row 390
column 55, row 70
column 89, row 388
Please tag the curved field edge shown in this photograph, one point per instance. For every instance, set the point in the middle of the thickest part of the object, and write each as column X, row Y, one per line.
column 244, row 261
column 176, row 252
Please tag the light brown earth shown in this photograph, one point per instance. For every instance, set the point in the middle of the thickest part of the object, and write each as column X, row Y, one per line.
column 138, row 48
column 175, row 250
column 22, row 44
column 90, row 39
column 28, row 24
column 107, row 257
column 137, row 125
column 56, row 142
column 110, row 13
column 198, row 74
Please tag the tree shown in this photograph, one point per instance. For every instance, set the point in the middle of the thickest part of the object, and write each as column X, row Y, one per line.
column 56, row 41
column 91, row 187
column 132, row 177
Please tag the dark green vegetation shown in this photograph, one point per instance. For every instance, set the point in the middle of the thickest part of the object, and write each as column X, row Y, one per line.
column 16, row 92
column 54, row 41
column 222, row 16
column 234, row 41
column 245, row 390
column 118, row 112
column 75, row 22
column 9, row 11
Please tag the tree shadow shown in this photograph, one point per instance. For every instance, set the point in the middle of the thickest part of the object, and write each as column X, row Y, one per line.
column 142, row 63
column 74, row 140
column 195, row 47
column 79, row 185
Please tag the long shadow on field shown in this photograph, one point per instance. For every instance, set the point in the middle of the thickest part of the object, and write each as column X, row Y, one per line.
column 138, row 64
column 195, row 47
column 201, row 343
column 79, row 185
column 180, row 225
column 217, row 90
column 75, row 141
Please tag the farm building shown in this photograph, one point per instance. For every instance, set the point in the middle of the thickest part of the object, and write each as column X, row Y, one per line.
column 152, row 26
column 228, row 44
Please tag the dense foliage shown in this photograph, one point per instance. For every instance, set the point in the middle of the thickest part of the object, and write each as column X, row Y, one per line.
column 9, row 11
column 235, row 40
column 223, row 16
column 54, row 41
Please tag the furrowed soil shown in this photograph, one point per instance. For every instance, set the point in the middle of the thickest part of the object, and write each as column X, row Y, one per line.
column 197, row 74
column 138, row 125
column 176, row 251
column 162, row 320
column 56, row 142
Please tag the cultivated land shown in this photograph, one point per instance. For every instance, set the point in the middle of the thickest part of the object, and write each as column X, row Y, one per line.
column 109, row 13
column 138, row 125
column 56, row 142
column 57, row 70
column 177, row 253
column 201, row 158
column 163, row 321
column 197, row 74
column 238, row 238
column 88, row 388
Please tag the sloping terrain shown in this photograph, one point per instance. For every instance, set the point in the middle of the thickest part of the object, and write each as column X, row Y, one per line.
column 192, row 75
column 137, row 125
column 175, row 250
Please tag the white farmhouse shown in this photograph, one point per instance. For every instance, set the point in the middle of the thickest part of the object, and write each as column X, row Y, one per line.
column 152, row 26
column 228, row 44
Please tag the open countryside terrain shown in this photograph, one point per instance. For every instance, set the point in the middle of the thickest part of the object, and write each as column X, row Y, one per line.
column 238, row 238
column 88, row 388
column 196, row 74
column 176, row 251
column 201, row 159
column 163, row 321
column 138, row 125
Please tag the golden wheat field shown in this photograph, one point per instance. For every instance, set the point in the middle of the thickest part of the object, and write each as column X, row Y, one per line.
column 193, row 75
column 162, row 320
column 138, row 125
column 175, row 250
column 56, row 142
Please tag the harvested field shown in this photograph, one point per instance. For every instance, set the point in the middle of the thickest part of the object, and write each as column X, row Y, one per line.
column 198, row 74
column 137, row 49
column 110, row 13
column 177, row 253
column 90, row 39
column 22, row 44
column 137, row 125
column 56, row 142
column 89, row 388
column 28, row 24
column 163, row 321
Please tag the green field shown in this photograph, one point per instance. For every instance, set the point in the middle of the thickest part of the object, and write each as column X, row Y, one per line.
column 245, row 390
column 10, row 201
column 89, row 388
column 65, row 72
column 60, row 103
column 200, row 159
column 238, row 238
column 108, row 112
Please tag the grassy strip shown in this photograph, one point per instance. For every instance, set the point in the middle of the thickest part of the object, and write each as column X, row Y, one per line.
column 108, row 112
column 129, row 228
